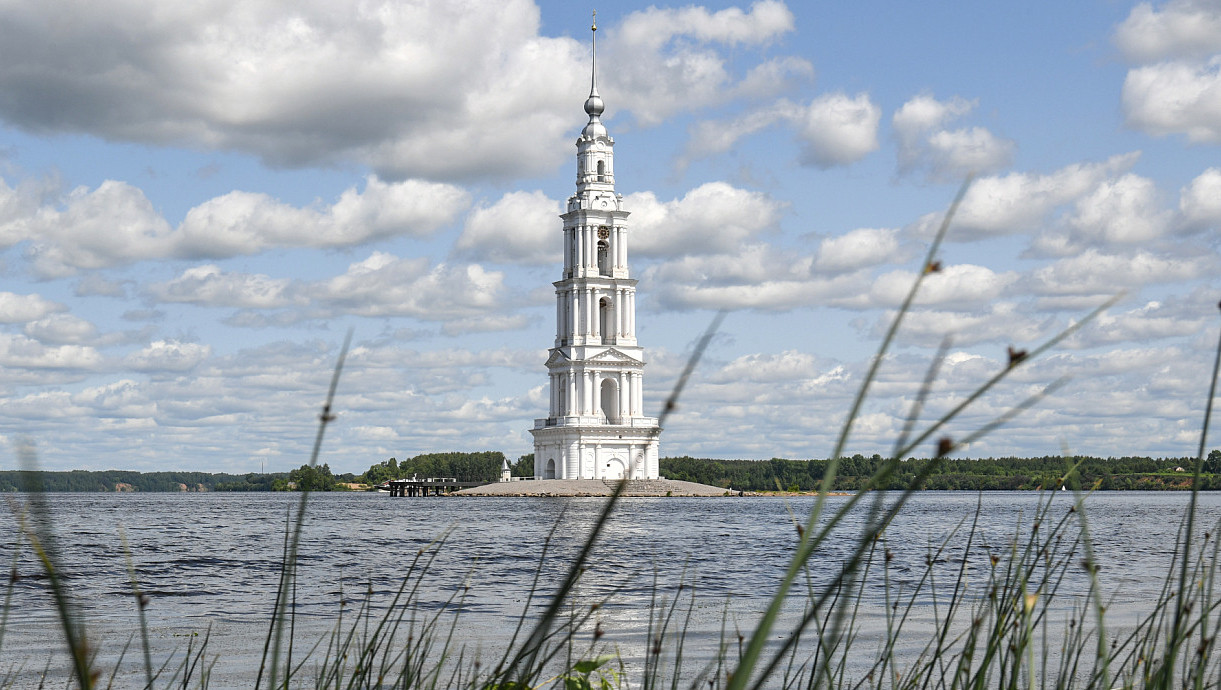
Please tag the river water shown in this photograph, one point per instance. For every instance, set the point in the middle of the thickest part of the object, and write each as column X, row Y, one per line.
column 209, row 564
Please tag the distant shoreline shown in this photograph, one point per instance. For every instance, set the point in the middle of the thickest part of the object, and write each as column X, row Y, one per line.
column 777, row 477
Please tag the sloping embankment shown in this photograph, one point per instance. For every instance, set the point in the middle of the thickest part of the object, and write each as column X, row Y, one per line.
column 595, row 487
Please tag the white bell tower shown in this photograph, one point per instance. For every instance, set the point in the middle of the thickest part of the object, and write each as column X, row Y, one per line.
column 596, row 428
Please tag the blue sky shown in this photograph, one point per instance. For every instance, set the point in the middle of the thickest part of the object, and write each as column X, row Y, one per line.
column 198, row 200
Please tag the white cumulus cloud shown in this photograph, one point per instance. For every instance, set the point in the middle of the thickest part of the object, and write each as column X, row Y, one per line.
column 833, row 129
column 926, row 145
column 521, row 227
column 1200, row 201
column 210, row 286
column 1180, row 28
column 1176, row 98
column 16, row 308
column 856, row 249
column 386, row 285
column 168, row 356
column 837, row 129
column 669, row 60
column 116, row 224
column 1021, row 202
column 714, row 217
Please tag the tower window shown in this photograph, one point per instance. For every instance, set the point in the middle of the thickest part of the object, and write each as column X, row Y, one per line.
column 604, row 267
column 602, row 171
column 606, row 320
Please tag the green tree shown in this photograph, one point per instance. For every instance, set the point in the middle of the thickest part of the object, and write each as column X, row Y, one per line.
column 382, row 472
column 1212, row 464
column 317, row 478
column 524, row 467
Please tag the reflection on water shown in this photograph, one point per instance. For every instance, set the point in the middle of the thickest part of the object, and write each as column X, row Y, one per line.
column 212, row 560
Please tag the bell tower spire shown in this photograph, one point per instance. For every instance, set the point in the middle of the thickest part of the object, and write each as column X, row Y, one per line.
column 593, row 52
column 596, row 428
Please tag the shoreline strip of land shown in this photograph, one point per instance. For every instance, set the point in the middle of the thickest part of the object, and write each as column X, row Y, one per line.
column 598, row 487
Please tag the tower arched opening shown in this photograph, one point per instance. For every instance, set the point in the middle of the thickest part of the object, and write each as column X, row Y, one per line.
column 610, row 401
column 606, row 320
column 604, row 267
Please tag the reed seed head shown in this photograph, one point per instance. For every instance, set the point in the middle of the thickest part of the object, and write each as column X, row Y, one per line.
column 944, row 446
column 1030, row 601
column 1016, row 356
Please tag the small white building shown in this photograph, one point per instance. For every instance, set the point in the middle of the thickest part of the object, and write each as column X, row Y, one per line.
column 596, row 427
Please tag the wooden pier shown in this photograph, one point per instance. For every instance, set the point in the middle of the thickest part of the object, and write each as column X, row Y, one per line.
column 433, row 486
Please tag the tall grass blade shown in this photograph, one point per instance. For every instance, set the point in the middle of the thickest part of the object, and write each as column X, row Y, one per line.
column 1177, row 632
column 280, row 615
column 763, row 630
column 524, row 667
column 41, row 537
column 141, row 602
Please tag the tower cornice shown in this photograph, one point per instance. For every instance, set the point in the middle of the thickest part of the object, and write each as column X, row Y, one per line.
column 581, row 214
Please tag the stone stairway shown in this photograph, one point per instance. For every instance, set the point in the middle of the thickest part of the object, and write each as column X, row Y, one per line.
column 642, row 487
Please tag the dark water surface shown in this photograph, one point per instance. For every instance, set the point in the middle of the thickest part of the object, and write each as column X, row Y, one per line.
column 212, row 561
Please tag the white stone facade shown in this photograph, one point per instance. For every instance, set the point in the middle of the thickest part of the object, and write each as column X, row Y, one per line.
column 596, row 428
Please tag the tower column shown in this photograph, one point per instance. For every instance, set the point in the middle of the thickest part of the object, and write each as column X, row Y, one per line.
column 572, row 394
column 621, row 320
column 623, row 393
column 638, row 389
column 591, row 313
column 573, row 326
column 632, row 313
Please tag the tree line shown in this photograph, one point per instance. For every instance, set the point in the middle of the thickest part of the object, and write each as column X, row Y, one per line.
column 482, row 466
column 983, row 474
column 118, row 480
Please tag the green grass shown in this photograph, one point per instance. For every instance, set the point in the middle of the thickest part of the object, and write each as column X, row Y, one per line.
column 1010, row 628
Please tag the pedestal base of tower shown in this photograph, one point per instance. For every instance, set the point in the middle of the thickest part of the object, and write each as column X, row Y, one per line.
column 602, row 451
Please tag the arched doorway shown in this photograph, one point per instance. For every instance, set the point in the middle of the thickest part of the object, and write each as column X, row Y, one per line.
column 549, row 473
column 615, row 469
column 610, row 401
